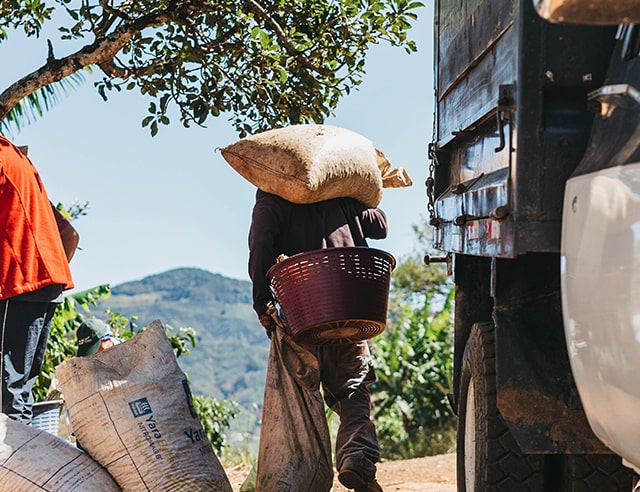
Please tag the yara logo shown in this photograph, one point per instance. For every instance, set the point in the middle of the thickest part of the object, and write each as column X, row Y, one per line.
column 140, row 407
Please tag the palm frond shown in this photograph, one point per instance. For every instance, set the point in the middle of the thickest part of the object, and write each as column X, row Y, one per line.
column 32, row 107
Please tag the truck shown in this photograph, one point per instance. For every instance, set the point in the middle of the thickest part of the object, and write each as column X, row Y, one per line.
column 533, row 197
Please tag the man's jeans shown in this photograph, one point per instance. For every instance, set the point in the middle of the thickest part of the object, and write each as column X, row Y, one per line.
column 24, row 329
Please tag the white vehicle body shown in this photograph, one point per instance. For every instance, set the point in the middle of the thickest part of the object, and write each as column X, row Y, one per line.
column 601, row 301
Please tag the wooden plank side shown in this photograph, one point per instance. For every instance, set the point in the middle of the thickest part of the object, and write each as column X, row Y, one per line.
column 467, row 32
column 476, row 95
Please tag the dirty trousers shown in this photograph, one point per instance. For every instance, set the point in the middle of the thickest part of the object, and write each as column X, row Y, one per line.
column 346, row 371
column 24, row 329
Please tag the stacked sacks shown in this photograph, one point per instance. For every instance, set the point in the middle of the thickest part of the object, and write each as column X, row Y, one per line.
column 312, row 163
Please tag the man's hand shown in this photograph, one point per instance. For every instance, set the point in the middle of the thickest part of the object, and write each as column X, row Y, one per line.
column 269, row 324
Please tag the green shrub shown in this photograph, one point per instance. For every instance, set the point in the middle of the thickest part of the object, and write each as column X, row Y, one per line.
column 410, row 405
column 215, row 418
column 414, row 362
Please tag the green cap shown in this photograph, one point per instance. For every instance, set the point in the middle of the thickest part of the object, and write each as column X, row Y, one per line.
column 89, row 334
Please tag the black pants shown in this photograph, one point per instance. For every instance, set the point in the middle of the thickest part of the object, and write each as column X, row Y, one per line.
column 24, row 329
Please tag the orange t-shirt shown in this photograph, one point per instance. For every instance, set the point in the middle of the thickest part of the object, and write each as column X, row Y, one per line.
column 31, row 251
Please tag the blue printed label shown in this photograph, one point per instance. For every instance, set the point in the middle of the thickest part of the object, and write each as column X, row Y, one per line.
column 140, row 407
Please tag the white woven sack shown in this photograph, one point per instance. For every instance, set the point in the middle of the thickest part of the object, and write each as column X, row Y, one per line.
column 130, row 408
column 35, row 460
column 312, row 163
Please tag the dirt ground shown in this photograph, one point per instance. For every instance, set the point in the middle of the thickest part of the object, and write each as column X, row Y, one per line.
column 429, row 474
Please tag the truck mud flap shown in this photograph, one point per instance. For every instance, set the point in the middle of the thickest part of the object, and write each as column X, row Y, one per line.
column 536, row 393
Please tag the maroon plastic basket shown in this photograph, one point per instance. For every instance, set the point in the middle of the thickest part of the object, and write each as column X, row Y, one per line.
column 334, row 295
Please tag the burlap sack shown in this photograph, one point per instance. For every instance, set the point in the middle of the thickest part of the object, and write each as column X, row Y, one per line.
column 35, row 460
column 130, row 408
column 312, row 163
column 295, row 448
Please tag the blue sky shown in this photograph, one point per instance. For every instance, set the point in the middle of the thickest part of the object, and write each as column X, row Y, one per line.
column 170, row 201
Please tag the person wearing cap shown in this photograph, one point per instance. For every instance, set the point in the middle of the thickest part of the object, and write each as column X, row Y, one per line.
column 34, row 271
column 94, row 336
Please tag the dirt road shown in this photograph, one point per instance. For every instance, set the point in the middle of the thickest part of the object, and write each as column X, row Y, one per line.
column 428, row 474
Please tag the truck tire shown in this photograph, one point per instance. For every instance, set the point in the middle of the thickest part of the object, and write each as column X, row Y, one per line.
column 488, row 458
column 596, row 473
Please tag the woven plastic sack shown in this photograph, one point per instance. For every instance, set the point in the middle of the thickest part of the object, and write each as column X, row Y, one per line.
column 32, row 459
column 294, row 454
column 312, row 163
column 130, row 408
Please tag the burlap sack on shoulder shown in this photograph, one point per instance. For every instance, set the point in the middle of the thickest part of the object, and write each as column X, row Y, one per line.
column 312, row 163
column 130, row 408
column 35, row 460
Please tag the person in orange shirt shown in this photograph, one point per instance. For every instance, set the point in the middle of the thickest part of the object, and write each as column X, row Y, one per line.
column 34, row 271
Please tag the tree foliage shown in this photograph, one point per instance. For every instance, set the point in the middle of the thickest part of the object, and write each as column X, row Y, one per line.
column 266, row 64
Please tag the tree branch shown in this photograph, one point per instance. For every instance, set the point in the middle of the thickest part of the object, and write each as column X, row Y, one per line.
column 101, row 53
column 257, row 9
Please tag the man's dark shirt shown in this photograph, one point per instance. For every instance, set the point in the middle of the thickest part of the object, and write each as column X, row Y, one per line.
column 281, row 227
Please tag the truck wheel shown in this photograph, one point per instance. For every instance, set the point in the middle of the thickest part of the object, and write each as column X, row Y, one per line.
column 488, row 458
column 596, row 473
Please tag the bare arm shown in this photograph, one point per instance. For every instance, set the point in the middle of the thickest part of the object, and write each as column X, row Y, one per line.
column 70, row 237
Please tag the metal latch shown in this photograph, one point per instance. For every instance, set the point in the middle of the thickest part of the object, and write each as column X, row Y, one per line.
column 504, row 111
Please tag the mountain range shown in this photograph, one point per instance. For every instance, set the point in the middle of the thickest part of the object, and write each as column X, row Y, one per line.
column 230, row 357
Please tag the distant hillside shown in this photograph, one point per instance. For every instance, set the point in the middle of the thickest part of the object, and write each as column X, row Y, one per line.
column 230, row 358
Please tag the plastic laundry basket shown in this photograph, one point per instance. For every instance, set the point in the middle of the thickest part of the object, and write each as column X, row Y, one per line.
column 334, row 295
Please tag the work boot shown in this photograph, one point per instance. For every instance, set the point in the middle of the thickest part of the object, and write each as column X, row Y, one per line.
column 351, row 479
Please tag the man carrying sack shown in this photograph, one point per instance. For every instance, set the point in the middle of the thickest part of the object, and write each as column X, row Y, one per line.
column 345, row 371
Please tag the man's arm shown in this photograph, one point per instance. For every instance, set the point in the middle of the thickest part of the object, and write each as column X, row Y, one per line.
column 263, row 236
